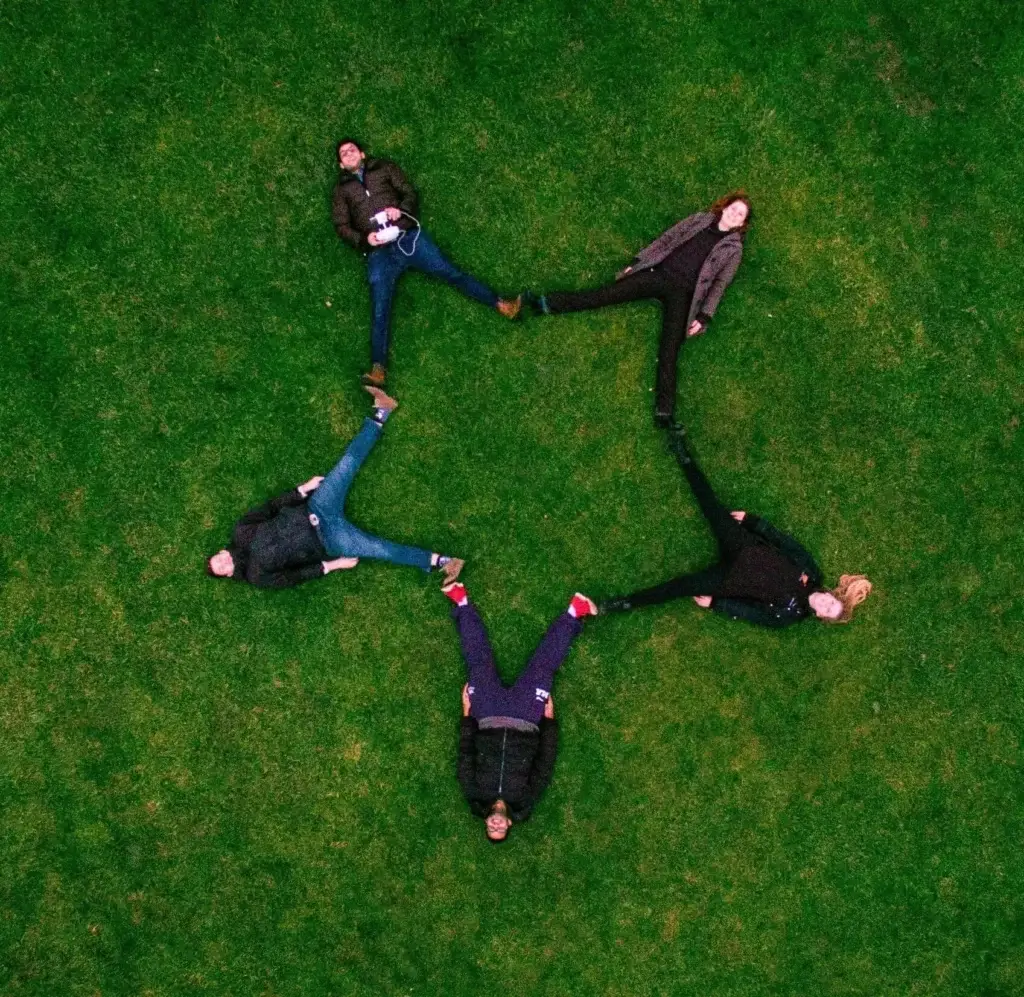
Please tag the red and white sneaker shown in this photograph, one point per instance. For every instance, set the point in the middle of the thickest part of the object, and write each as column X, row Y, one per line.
column 456, row 591
column 582, row 605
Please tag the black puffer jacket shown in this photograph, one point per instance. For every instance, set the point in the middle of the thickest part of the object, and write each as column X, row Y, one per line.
column 502, row 763
column 355, row 203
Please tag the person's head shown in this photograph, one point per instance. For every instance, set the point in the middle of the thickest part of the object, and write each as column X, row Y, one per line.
column 733, row 212
column 498, row 822
column 837, row 605
column 350, row 154
column 226, row 563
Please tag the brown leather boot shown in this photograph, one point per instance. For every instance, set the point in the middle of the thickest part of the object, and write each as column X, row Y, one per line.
column 510, row 309
column 376, row 377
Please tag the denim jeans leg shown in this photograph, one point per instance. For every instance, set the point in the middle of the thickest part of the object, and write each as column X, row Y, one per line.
column 429, row 259
column 383, row 268
column 351, row 541
column 328, row 501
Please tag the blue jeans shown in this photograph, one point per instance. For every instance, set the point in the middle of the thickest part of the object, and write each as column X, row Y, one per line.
column 339, row 537
column 385, row 265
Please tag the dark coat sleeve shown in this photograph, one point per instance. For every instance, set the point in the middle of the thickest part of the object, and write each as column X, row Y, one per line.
column 270, row 508
column 284, row 577
column 407, row 198
column 543, row 767
column 466, row 769
column 752, row 611
column 794, row 550
column 342, row 218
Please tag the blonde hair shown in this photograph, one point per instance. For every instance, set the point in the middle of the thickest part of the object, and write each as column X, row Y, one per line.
column 851, row 591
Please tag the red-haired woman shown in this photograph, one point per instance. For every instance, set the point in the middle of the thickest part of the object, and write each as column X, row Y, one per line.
column 687, row 269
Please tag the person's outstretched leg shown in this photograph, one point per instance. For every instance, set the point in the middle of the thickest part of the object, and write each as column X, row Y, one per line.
column 674, row 316
column 429, row 259
column 703, row 582
column 729, row 535
column 327, row 502
column 486, row 693
column 533, row 687
column 637, row 287
column 383, row 268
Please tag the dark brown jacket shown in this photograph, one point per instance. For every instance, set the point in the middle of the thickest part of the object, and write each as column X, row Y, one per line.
column 718, row 270
column 383, row 186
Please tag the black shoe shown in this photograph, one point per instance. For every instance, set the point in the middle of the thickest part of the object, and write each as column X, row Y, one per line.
column 666, row 420
column 614, row 606
column 534, row 304
column 678, row 445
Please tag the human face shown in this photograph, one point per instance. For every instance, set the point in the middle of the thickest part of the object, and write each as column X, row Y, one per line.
column 222, row 564
column 825, row 605
column 734, row 214
column 351, row 156
column 498, row 822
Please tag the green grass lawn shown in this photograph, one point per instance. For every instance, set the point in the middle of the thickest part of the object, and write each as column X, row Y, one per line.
column 210, row 789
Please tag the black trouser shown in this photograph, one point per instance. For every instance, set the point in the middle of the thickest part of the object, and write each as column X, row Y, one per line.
column 675, row 298
column 730, row 536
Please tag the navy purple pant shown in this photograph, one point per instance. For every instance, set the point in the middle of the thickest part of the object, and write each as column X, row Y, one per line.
column 525, row 700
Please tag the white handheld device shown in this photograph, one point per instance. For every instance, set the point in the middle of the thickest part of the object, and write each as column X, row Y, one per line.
column 386, row 232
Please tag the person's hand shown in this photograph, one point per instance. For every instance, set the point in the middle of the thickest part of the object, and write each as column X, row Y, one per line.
column 310, row 486
column 549, row 707
column 340, row 564
column 704, row 601
column 738, row 514
column 804, row 579
column 696, row 327
column 393, row 214
column 465, row 700
column 372, row 239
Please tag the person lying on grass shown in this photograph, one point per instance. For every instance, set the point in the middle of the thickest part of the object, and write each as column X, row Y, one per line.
column 304, row 534
column 687, row 269
column 370, row 189
column 509, row 736
column 762, row 575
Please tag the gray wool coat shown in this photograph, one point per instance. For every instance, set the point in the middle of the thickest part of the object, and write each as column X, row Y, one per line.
column 718, row 270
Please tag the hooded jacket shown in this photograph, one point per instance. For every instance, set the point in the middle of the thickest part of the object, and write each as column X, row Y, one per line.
column 508, row 764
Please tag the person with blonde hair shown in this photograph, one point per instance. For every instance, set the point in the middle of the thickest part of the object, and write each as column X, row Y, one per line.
column 761, row 576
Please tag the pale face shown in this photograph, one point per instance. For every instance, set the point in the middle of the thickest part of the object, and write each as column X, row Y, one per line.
column 222, row 564
column 733, row 215
column 498, row 822
column 825, row 605
column 351, row 156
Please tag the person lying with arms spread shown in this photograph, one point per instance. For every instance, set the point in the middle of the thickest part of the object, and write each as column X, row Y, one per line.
column 303, row 534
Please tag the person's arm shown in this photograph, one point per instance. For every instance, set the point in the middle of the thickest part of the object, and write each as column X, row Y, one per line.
column 543, row 763
column 283, row 577
column 270, row 508
column 722, row 280
column 466, row 769
column 342, row 218
column 408, row 201
column 793, row 549
column 752, row 611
